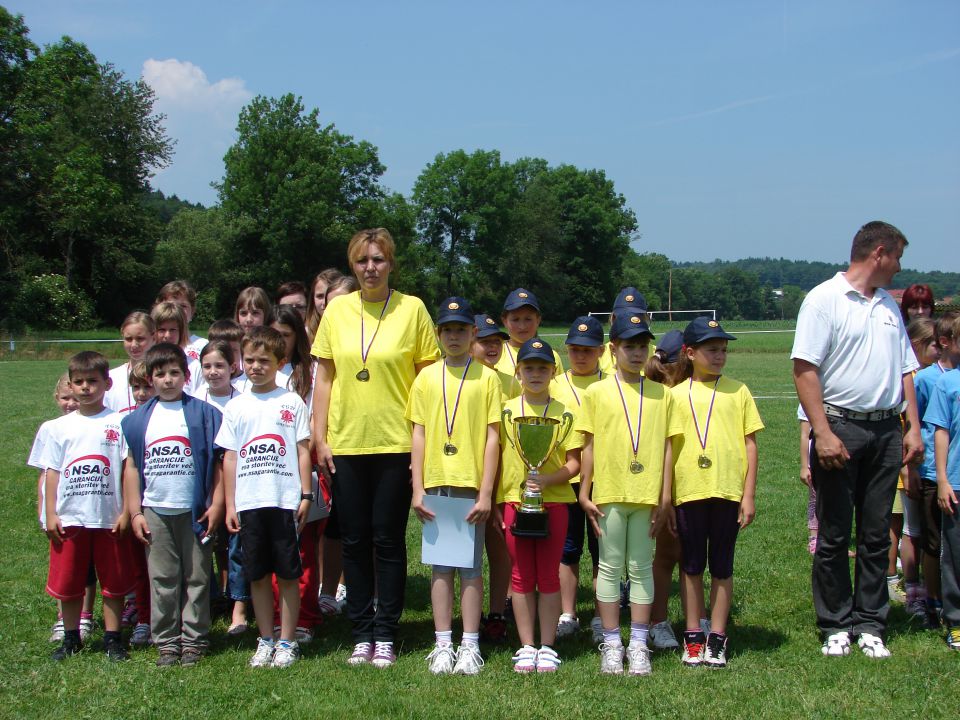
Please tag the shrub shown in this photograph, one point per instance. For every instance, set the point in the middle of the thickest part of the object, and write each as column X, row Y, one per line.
column 47, row 302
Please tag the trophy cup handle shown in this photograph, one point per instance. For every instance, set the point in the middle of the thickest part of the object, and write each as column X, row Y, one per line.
column 506, row 419
column 566, row 425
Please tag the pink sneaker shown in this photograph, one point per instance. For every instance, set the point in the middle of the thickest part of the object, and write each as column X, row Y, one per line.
column 812, row 544
column 362, row 654
column 383, row 655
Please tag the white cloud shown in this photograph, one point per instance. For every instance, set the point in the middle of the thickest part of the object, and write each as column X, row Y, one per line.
column 183, row 84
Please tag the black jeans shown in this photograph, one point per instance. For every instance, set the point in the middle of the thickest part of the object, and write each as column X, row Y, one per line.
column 372, row 495
column 950, row 568
column 861, row 491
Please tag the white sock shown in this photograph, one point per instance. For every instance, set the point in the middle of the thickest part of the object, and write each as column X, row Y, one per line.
column 444, row 637
column 471, row 639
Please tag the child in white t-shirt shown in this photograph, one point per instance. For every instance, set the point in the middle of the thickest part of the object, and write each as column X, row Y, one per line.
column 267, row 481
column 216, row 364
column 172, row 328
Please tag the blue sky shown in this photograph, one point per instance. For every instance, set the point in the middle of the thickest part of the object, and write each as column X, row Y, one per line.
column 733, row 129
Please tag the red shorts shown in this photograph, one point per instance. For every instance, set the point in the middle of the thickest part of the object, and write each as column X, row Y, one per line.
column 536, row 562
column 71, row 558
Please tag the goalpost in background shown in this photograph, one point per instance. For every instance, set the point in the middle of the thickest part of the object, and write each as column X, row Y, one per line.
column 681, row 316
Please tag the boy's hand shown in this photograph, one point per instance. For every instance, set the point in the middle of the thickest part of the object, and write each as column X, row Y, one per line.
column 141, row 528
column 747, row 511
column 214, row 517
column 946, row 498
column 121, row 525
column 593, row 513
column 480, row 511
column 423, row 514
column 303, row 509
column 54, row 528
column 232, row 521
column 325, row 458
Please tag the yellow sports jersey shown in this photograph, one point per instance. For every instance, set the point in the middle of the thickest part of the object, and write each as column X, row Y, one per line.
column 602, row 414
column 479, row 406
column 368, row 417
column 734, row 417
column 512, row 469
column 508, row 384
column 569, row 389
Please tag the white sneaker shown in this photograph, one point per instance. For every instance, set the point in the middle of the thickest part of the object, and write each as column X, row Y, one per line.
column 87, row 626
column 525, row 659
column 837, row 644
column 638, row 659
column 596, row 627
column 469, row 660
column 56, row 632
column 263, row 657
column 287, row 652
column 611, row 659
column 872, row 646
column 441, row 659
column 568, row 625
column 662, row 637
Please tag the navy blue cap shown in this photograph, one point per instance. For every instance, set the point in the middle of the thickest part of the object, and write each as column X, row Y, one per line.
column 669, row 346
column 631, row 298
column 518, row 298
column 629, row 325
column 702, row 329
column 586, row 330
column 455, row 310
column 487, row 326
column 536, row 349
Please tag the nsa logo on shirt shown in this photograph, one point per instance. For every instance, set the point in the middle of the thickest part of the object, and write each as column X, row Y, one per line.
column 264, row 445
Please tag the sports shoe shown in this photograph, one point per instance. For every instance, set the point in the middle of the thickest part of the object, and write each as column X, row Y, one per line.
column 596, row 627
column 567, row 626
column 286, row 653
column 895, row 590
column 611, row 659
column 383, row 655
column 469, row 660
column 237, row 629
column 872, row 646
column 263, row 657
column 328, row 605
column 168, row 658
column 341, row 596
column 362, row 654
column 56, row 632
column 128, row 618
column 191, row 657
column 68, row 647
column 953, row 637
column 836, row 645
column 494, row 629
column 693, row 648
column 303, row 635
column 441, row 659
column 715, row 654
column 662, row 637
column 116, row 650
column 140, row 637
column 933, row 611
column 547, row 659
column 638, row 659
column 87, row 626
column 916, row 607
column 525, row 659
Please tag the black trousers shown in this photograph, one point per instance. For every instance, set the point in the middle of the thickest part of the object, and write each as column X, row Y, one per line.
column 862, row 492
column 372, row 495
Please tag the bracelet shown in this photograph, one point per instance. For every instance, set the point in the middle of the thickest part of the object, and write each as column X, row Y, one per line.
column 136, row 515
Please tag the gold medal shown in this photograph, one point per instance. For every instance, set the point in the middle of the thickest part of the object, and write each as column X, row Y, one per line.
column 636, row 467
column 449, row 449
column 363, row 375
column 704, row 462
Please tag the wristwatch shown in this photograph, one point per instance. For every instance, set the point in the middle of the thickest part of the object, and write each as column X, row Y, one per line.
column 308, row 496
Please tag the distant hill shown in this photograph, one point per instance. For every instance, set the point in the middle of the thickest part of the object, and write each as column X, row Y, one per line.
column 779, row 272
column 166, row 207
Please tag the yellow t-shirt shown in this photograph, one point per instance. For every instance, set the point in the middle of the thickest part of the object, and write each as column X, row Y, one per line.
column 734, row 417
column 512, row 469
column 569, row 389
column 367, row 418
column 479, row 406
column 509, row 384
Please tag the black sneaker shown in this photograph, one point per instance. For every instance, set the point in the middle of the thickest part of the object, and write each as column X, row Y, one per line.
column 116, row 650
column 70, row 646
column 715, row 655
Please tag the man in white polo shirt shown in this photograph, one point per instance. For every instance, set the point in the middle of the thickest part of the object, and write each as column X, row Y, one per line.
column 852, row 365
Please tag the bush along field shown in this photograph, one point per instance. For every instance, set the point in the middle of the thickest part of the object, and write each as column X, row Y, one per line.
column 775, row 666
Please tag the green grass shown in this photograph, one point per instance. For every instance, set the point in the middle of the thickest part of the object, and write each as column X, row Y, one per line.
column 776, row 669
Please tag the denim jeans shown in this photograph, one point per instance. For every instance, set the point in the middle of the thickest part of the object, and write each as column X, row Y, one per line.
column 237, row 586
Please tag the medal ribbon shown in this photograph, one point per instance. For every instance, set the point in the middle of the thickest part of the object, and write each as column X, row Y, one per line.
column 447, row 419
column 696, row 422
column 573, row 389
column 634, row 441
column 366, row 352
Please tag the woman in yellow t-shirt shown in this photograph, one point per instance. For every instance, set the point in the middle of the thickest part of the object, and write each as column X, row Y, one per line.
column 369, row 348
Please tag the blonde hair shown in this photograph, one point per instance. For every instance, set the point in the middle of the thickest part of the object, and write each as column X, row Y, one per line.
column 380, row 236
column 138, row 317
column 167, row 311
column 63, row 380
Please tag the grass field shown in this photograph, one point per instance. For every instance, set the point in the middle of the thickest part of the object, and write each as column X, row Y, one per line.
column 775, row 670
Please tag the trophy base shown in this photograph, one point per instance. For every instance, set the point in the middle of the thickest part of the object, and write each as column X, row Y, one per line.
column 531, row 525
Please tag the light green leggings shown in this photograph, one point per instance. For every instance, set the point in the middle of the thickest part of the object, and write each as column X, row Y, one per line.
column 625, row 541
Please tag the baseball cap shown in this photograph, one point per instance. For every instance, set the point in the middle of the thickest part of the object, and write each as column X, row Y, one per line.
column 586, row 330
column 702, row 329
column 631, row 325
column 487, row 326
column 631, row 298
column 455, row 310
column 518, row 298
column 669, row 346
column 535, row 349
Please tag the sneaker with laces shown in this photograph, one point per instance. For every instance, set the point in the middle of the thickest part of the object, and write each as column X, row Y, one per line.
column 441, row 659
column 87, row 626
column 128, row 618
column 383, row 655
column 836, row 645
column 638, row 659
column 611, row 659
column 469, row 660
column 303, row 635
column 662, row 637
column 895, row 590
column 168, row 657
column 56, row 632
column 715, row 654
column 693, row 648
column 328, row 605
column 547, row 659
column 115, row 650
column 68, row 647
column 596, row 627
column 567, row 626
column 263, row 657
column 953, row 637
column 872, row 646
column 525, row 659
column 494, row 629
column 362, row 654
column 191, row 657
column 140, row 637
column 285, row 654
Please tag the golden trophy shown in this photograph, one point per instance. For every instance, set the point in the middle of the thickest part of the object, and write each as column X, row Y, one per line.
column 534, row 438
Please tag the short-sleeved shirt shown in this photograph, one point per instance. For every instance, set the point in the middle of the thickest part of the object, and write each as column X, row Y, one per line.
column 34, row 461
column 479, row 406
column 513, row 471
column 88, row 452
column 569, row 389
column 602, row 414
column 734, row 417
column 120, row 397
column 858, row 343
column 168, row 469
column 944, row 412
column 264, row 429
column 924, row 382
column 368, row 417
